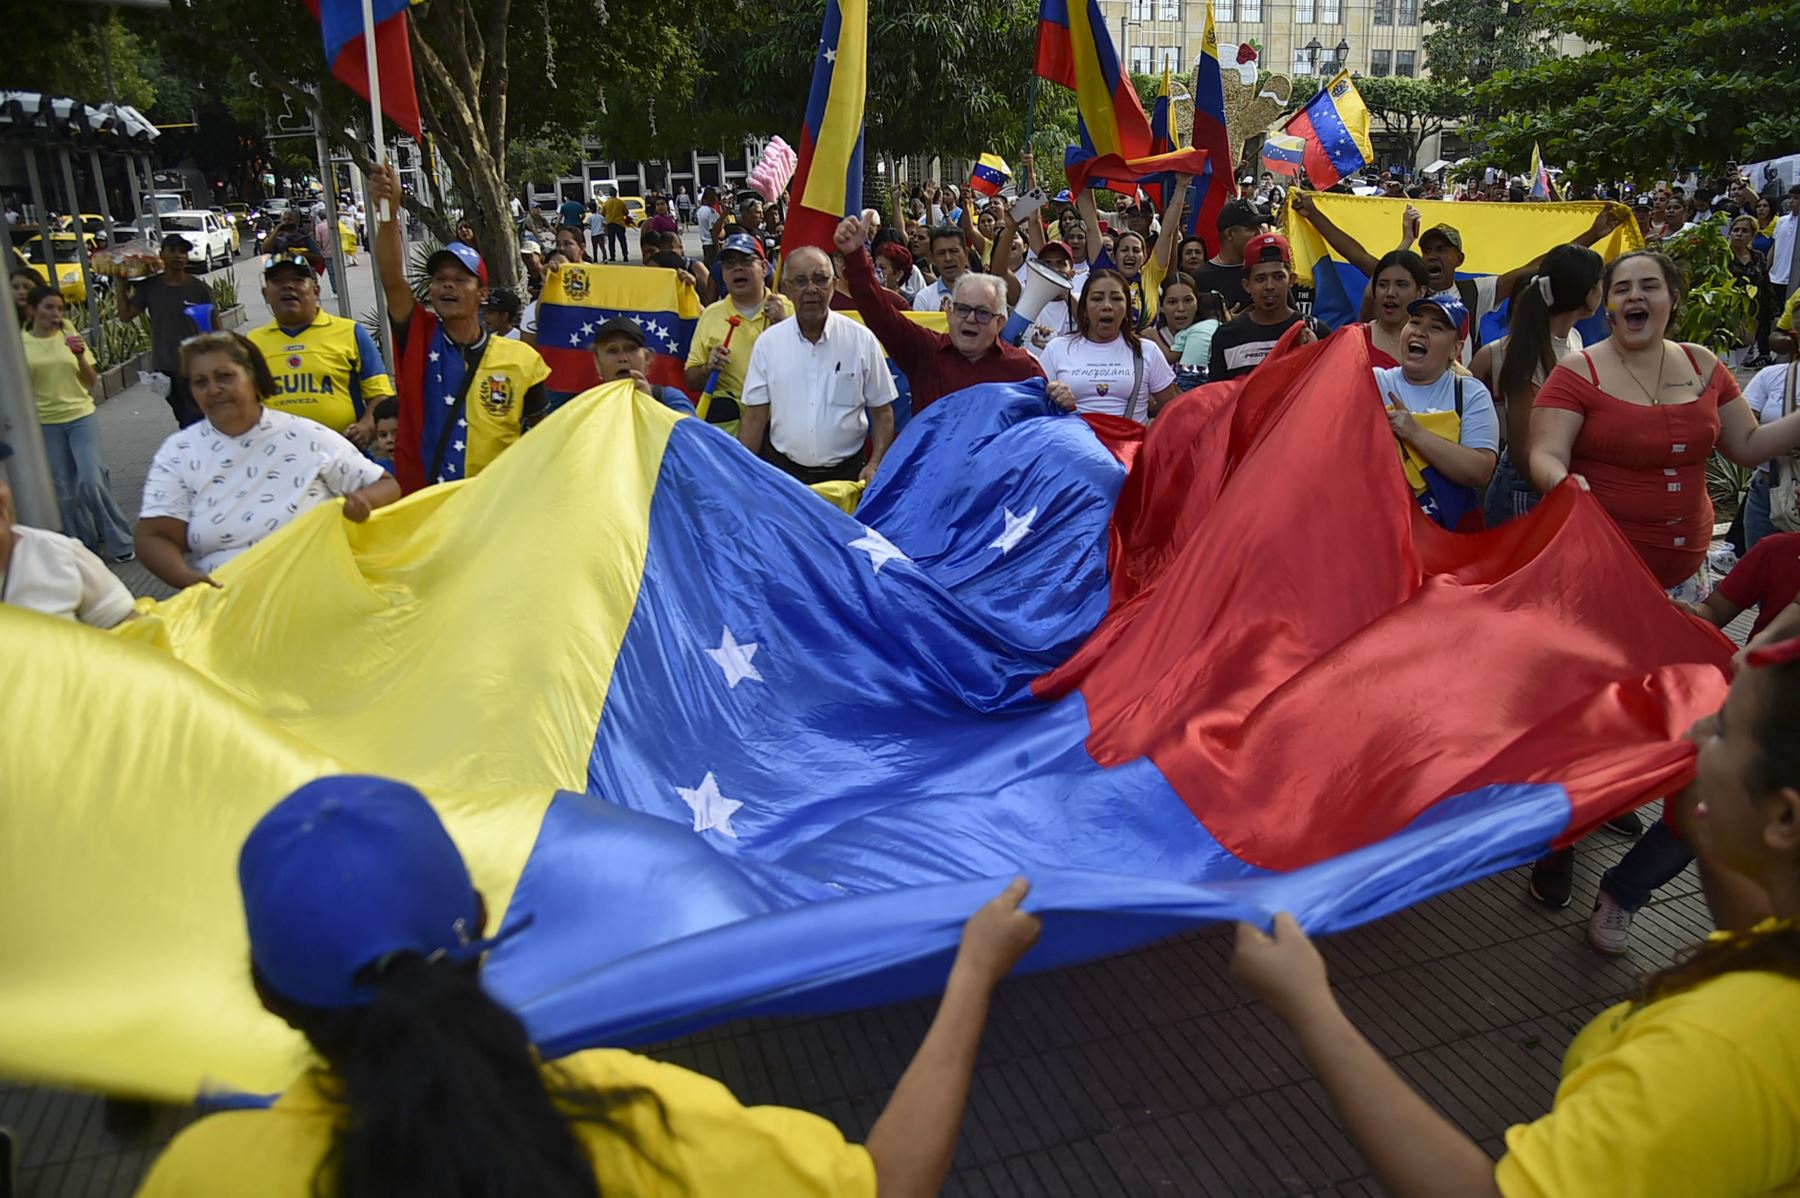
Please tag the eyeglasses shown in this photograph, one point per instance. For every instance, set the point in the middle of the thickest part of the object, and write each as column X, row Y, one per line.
column 802, row 282
column 980, row 316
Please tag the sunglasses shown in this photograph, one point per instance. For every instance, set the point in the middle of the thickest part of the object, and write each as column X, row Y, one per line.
column 271, row 261
column 980, row 316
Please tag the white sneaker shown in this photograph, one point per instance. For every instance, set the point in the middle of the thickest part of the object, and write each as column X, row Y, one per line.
column 1609, row 927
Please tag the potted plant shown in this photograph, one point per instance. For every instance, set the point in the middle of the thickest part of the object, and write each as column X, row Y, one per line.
column 1717, row 311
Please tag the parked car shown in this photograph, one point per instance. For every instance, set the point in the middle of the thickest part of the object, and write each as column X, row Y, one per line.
column 209, row 242
column 231, row 226
column 92, row 224
column 68, row 263
column 636, row 210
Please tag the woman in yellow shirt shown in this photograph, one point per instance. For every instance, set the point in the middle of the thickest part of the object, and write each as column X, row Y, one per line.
column 365, row 936
column 1693, row 1086
column 61, row 375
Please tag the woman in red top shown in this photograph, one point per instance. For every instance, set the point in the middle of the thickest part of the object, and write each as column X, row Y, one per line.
column 1635, row 419
column 1400, row 279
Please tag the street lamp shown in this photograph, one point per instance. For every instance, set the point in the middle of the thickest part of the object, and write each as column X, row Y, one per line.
column 1312, row 49
column 1343, row 55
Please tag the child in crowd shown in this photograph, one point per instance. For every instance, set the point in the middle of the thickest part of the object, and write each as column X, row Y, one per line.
column 387, row 423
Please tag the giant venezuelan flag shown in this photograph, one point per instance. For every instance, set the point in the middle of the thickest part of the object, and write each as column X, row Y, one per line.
column 346, row 52
column 1074, row 50
column 578, row 298
column 828, row 181
column 1496, row 239
column 744, row 775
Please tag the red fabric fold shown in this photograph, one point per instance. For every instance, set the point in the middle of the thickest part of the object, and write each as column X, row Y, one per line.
column 1312, row 663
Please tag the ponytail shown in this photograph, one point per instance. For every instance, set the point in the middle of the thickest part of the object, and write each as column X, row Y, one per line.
column 1563, row 281
column 1774, row 949
column 444, row 1094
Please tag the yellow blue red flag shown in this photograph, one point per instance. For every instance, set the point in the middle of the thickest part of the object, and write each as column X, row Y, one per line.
column 579, row 297
column 1335, row 127
column 1213, row 185
column 828, row 181
column 989, row 175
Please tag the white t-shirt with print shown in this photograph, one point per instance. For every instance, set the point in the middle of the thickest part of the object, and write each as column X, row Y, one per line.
column 234, row 491
column 1100, row 372
column 61, row 577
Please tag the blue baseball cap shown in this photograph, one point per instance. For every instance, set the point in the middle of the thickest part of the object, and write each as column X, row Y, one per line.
column 344, row 872
column 464, row 255
column 742, row 243
column 1448, row 306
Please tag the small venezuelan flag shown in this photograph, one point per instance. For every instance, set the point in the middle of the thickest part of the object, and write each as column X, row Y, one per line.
column 341, row 24
column 577, row 299
column 1283, row 154
column 1335, row 127
column 990, row 175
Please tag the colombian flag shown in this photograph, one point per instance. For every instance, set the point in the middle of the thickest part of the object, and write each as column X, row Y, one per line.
column 709, row 777
column 990, row 175
column 1283, row 153
column 341, row 23
column 1214, row 184
column 828, row 181
column 1335, row 127
column 1496, row 237
column 578, row 298
column 1074, row 50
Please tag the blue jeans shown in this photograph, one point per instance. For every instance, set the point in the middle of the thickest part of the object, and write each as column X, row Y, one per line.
column 1509, row 494
column 84, row 486
column 1657, row 857
column 1757, row 524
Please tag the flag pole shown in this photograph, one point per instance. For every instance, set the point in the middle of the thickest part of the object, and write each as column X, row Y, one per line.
column 1031, row 114
column 375, row 124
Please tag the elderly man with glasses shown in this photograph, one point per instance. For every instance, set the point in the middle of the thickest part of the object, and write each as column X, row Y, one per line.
column 817, row 385
column 937, row 364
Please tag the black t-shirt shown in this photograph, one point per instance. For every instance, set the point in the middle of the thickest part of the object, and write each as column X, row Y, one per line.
column 1228, row 281
column 1241, row 345
column 170, row 324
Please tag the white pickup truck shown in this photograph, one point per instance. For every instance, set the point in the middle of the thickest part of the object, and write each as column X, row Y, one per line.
column 209, row 241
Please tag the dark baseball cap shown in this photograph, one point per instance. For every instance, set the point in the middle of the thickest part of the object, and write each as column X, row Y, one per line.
column 346, row 873
column 1241, row 214
column 1445, row 231
column 504, row 299
column 299, row 259
column 619, row 326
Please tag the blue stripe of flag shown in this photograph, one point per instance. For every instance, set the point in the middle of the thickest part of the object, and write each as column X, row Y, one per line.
column 565, row 326
column 1334, row 137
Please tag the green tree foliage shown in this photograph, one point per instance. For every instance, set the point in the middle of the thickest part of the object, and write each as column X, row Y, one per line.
column 1666, row 83
column 1470, row 40
column 58, row 48
column 1413, row 110
column 549, row 155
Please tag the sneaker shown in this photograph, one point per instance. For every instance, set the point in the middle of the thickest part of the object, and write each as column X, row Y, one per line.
column 119, row 559
column 1609, row 927
column 1629, row 824
column 1553, row 878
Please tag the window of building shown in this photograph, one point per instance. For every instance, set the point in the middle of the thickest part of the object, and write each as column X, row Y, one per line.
column 1409, row 12
column 1140, row 60
column 1250, row 10
column 1168, row 58
column 1168, row 10
column 1384, row 12
column 1140, row 10
column 1223, row 10
column 1403, row 63
column 1380, row 62
column 1304, row 12
column 1302, row 62
column 1331, row 12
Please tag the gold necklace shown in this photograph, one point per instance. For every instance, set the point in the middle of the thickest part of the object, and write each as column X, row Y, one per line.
column 1655, row 397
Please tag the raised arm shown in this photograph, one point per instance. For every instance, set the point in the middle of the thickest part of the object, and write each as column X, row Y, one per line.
column 390, row 255
column 1164, row 253
column 915, row 1136
column 1090, row 217
column 966, row 223
column 1348, row 247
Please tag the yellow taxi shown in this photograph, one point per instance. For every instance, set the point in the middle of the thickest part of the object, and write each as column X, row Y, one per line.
column 68, row 263
column 230, row 221
column 636, row 209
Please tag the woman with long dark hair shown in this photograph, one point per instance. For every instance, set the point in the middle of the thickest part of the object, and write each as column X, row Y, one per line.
column 1399, row 279
column 1686, row 1088
column 1104, row 366
column 366, row 936
column 1751, row 269
column 1540, row 332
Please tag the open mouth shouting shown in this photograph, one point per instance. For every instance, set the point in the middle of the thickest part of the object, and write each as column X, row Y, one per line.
column 1634, row 315
column 1416, row 346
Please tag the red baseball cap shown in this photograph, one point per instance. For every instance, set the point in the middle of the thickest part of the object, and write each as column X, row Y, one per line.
column 1268, row 247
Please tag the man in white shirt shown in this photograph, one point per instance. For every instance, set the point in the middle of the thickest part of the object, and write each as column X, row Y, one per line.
column 1781, row 254
column 47, row 572
column 950, row 256
column 817, row 385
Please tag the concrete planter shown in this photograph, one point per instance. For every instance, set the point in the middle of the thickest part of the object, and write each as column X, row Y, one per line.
column 232, row 318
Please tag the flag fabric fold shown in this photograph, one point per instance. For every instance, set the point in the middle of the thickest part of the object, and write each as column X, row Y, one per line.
column 578, row 298
column 1116, row 150
column 341, row 25
column 1496, row 238
column 828, row 182
column 774, row 773
column 1335, row 127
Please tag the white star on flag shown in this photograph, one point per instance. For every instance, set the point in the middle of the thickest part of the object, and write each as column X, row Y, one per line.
column 574, row 338
column 831, row 56
column 462, row 424
column 1016, row 529
column 880, row 550
column 734, row 659
column 449, row 467
column 434, row 355
column 458, row 445
column 450, row 399
column 587, row 327
column 712, row 810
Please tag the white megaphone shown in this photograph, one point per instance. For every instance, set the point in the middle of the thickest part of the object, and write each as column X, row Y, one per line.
column 1041, row 286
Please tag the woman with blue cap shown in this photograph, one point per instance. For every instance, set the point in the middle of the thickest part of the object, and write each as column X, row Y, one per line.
column 366, row 936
